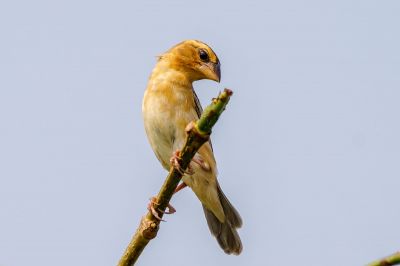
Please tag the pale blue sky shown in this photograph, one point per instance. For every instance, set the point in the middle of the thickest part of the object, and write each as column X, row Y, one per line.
column 308, row 149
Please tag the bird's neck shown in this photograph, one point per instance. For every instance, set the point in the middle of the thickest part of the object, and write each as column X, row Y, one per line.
column 164, row 71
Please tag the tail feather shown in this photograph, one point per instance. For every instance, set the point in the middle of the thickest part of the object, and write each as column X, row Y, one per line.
column 231, row 213
column 226, row 233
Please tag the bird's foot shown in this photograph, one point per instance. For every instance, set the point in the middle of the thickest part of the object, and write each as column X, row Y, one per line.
column 153, row 208
column 175, row 163
column 204, row 165
column 179, row 187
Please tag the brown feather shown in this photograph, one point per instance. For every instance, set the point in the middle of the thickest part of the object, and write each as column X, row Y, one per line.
column 169, row 104
column 225, row 233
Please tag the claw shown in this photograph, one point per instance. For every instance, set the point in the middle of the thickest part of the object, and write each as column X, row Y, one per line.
column 150, row 207
column 170, row 210
column 175, row 163
column 180, row 186
column 153, row 210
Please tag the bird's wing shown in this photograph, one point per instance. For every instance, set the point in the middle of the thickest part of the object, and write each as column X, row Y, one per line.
column 199, row 110
column 197, row 105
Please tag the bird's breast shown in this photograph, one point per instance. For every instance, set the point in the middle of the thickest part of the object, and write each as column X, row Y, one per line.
column 166, row 112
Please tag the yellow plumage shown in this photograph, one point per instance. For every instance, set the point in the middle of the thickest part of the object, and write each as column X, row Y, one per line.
column 169, row 105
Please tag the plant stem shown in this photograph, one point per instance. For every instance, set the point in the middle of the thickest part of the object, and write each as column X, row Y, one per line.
column 197, row 134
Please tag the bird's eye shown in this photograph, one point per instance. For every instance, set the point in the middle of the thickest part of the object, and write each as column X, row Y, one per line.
column 203, row 55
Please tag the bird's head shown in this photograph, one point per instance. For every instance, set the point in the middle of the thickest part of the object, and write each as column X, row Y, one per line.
column 195, row 59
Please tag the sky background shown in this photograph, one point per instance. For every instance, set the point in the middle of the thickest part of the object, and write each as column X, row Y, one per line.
column 308, row 149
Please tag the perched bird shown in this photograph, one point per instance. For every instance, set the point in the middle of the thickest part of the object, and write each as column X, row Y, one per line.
column 169, row 105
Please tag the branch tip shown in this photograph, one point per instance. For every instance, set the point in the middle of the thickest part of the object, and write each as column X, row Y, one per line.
column 228, row 92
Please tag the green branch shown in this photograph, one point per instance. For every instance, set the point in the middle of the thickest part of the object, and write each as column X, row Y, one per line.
column 393, row 259
column 197, row 134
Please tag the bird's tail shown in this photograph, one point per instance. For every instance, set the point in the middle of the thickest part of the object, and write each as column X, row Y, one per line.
column 226, row 233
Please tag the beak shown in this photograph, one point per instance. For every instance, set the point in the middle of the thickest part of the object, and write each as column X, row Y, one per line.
column 213, row 71
column 217, row 71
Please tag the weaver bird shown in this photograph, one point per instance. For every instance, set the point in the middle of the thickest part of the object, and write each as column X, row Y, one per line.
column 169, row 105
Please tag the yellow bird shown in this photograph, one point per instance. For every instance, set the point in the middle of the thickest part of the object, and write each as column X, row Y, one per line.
column 169, row 105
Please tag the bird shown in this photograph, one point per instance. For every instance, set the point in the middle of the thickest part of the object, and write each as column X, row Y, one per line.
column 169, row 105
